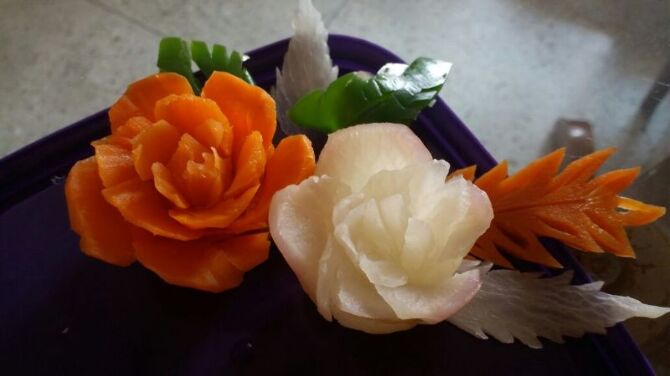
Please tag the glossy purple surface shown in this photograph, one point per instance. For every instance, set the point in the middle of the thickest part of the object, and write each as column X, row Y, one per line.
column 64, row 313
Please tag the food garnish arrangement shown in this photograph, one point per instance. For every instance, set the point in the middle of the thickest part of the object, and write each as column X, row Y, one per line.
column 195, row 182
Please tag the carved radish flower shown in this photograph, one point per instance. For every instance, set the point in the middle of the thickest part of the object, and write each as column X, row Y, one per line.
column 377, row 237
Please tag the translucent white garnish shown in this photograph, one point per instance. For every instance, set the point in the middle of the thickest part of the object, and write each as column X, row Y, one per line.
column 511, row 304
column 377, row 240
column 307, row 65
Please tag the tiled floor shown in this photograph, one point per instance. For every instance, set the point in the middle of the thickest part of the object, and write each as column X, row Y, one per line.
column 520, row 65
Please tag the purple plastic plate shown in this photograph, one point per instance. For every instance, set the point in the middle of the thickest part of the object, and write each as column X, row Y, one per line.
column 64, row 313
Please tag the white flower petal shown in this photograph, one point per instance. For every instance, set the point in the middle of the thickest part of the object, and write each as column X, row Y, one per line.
column 354, row 154
column 382, row 272
column 459, row 214
column 468, row 264
column 457, row 211
column 435, row 271
column 328, row 267
column 349, row 218
column 363, row 238
column 427, row 180
column 300, row 224
column 395, row 216
column 372, row 326
column 418, row 244
column 463, row 234
column 369, row 231
column 433, row 303
column 387, row 183
column 430, row 195
column 448, row 209
column 345, row 206
column 419, row 184
column 354, row 294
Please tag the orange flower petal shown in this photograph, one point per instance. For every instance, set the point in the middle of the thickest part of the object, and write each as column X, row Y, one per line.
column 269, row 151
column 188, row 149
column 115, row 164
column 140, row 204
column 216, row 134
column 220, row 215
column 199, row 117
column 247, row 107
column 292, row 162
column 165, row 185
column 226, row 144
column 154, row 144
column 121, row 111
column 248, row 251
column 104, row 233
column 128, row 130
column 141, row 96
column 226, row 173
column 198, row 264
column 250, row 165
column 203, row 182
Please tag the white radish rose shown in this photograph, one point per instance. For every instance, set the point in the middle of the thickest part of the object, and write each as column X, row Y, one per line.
column 377, row 237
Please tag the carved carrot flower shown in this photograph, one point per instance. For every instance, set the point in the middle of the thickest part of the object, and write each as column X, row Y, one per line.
column 184, row 182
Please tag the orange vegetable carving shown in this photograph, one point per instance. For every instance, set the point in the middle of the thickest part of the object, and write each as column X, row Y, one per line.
column 583, row 212
column 184, row 182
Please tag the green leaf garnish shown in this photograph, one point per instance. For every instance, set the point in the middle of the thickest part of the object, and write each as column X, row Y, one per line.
column 232, row 63
column 202, row 57
column 174, row 55
column 397, row 93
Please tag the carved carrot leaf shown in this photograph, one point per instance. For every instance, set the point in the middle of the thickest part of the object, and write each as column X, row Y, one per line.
column 572, row 206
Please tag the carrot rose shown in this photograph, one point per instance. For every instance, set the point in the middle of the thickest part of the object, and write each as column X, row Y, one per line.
column 184, row 182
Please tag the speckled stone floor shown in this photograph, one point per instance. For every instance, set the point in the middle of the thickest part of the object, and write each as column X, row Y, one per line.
column 519, row 66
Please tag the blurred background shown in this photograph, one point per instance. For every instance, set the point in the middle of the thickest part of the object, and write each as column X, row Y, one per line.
column 528, row 76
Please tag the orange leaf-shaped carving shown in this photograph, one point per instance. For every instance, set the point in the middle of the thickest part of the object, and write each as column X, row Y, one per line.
column 572, row 206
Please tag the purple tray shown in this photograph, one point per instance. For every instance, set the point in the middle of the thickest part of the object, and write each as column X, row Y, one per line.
column 64, row 313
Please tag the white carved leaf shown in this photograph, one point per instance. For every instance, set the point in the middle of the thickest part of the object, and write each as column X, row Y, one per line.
column 511, row 304
column 307, row 65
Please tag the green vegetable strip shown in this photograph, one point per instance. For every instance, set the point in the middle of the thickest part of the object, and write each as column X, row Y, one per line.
column 202, row 57
column 174, row 55
column 219, row 57
column 235, row 63
column 389, row 96
column 232, row 63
